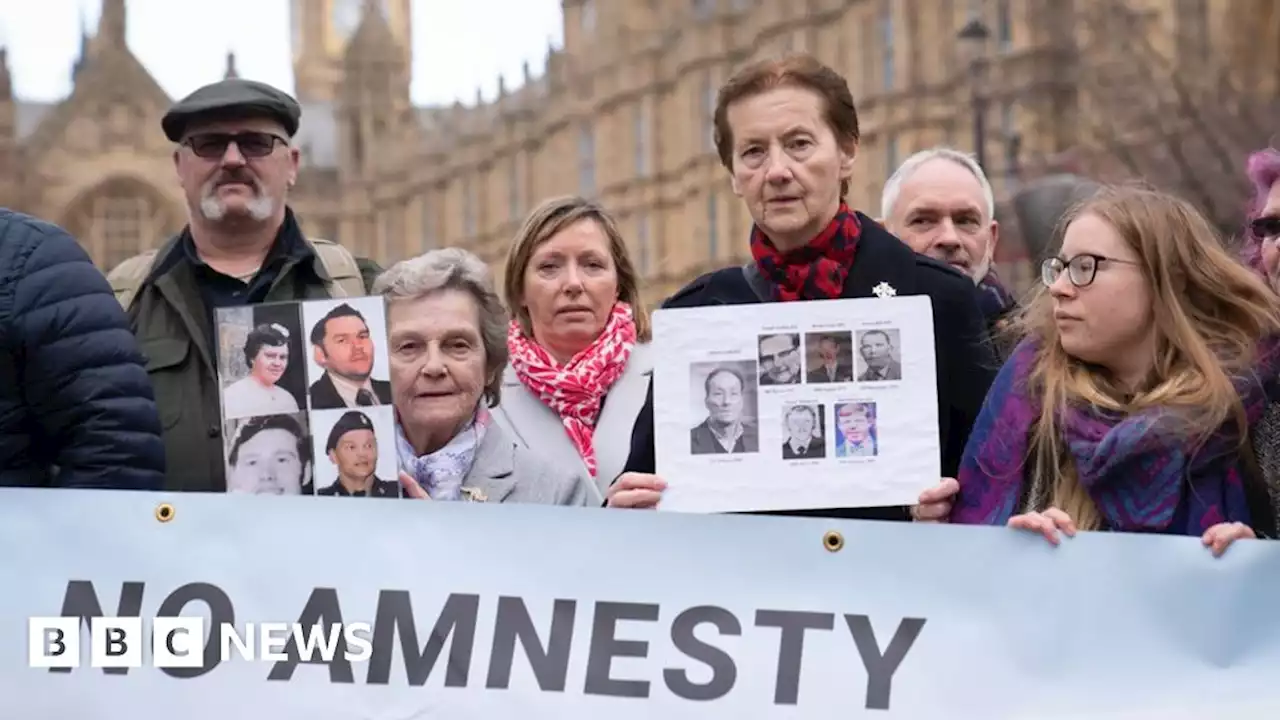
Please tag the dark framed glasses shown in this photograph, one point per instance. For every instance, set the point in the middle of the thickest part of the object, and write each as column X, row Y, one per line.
column 1266, row 227
column 1081, row 269
column 212, row 146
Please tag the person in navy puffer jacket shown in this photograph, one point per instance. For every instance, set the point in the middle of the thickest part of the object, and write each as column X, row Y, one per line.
column 76, row 406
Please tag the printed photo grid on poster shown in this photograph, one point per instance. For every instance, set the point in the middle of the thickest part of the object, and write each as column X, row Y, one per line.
column 796, row 405
column 305, row 396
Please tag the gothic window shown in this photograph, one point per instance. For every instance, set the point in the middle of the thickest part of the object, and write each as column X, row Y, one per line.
column 469, row 206
column 886, row 46
column 513, row 187
column 117, row 220
column 643, row 250
column 357, row 145
column 713, row 227
column 868, row 57
column 641, row 130
column 393, row 244
column 1004, row 25
column 428, row 219
column 586, row 159
column 708, row 111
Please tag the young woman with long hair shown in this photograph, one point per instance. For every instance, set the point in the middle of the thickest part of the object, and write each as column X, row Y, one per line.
column 1127, row 404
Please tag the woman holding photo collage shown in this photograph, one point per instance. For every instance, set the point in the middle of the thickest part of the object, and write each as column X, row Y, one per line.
column 787, row 132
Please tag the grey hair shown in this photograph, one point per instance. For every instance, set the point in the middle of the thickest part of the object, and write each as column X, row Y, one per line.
column 893, row 187
column 455, row 269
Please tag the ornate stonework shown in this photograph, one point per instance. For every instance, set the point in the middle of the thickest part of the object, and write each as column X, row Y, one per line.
column 621, row 113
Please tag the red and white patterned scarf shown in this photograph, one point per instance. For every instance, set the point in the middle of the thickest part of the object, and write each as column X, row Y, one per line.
column 575, row 390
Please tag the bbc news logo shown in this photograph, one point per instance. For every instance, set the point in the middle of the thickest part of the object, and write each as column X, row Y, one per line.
column 179, row 642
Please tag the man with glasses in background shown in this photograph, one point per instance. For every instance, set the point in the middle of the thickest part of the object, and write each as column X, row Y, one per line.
column 243, row 246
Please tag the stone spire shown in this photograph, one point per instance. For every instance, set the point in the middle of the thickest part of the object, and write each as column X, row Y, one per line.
column 112, row 23
column 84, row 45
column 6, row 79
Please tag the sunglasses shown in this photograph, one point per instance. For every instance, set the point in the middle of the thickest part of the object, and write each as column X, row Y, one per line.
column 1266, row 227
column 213, row 146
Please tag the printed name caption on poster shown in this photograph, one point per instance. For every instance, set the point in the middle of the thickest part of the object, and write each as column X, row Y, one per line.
column 179, row 642
column 613, row 633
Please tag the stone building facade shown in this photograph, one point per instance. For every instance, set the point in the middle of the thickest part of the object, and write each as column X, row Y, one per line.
column 621, row 113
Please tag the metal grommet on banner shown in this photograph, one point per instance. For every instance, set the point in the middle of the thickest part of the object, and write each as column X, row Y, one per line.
column 164, row 512
column 833, row 541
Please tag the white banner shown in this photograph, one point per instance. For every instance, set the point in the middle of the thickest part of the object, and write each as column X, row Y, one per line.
column 465, row 610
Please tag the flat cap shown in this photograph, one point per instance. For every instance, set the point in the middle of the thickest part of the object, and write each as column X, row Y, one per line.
column 233, row 97
column 350, row 420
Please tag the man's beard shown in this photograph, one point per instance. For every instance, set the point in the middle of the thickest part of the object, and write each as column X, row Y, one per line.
column 977, row 271
column 260, row 208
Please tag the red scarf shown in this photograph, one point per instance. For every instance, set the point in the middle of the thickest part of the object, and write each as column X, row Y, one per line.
column 816, row 271
column 576, row 389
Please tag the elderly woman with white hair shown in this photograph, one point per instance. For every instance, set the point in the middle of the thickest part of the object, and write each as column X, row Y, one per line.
column 448, row 348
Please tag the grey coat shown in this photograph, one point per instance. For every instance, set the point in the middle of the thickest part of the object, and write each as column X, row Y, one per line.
column 539, row 429
column 505, row 471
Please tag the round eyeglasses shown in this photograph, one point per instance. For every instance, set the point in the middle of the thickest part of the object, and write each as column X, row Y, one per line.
column 1081, row 270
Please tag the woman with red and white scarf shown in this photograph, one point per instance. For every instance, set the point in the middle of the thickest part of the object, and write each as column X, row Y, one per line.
column 787, row 132
column 578, row 339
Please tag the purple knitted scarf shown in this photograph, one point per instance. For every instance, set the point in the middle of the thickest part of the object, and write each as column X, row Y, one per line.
column 1135, row 467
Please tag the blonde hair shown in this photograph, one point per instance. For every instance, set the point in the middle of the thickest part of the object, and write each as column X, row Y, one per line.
column 1209, row 313
column 543, row 223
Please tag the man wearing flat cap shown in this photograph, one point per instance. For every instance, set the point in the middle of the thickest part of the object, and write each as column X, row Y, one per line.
column 235, row 160
column 353, row 449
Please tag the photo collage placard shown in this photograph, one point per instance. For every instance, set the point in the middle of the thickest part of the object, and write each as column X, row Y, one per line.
column 783, row 406
column 306, row 399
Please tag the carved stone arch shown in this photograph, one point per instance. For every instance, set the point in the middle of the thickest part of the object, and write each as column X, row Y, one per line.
column 120, row 217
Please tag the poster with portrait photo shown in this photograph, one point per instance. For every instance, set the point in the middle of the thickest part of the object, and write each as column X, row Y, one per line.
column 260, row 366
column 820, row 441
column 879, row 356
column 804, row 434
column 346, row 353
column 779, row 358
column 269, row 455
column 723, row 403
column 856, row 432
column 355, row 452
column 828, row 357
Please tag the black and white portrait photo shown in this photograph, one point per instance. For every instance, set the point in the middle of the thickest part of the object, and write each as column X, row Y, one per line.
column 259, row 360
column 355, row 452
column 803, row 432
column 347, row 353
column 779, row 359
column 879, row 355
column 724, row 396
column 269, row 455
column 828, row 357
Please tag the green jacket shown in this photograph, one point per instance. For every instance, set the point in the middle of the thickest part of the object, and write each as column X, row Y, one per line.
column 171, row 324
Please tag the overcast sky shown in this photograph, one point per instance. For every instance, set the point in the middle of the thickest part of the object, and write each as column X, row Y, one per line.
column 457, row 45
